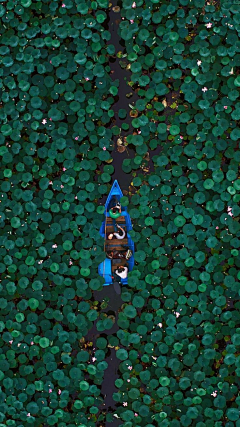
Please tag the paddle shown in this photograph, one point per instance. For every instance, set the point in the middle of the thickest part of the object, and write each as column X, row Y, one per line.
column 117, row 288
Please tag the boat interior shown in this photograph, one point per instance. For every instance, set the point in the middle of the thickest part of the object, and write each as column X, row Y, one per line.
column 116, row 244
column 107, row 267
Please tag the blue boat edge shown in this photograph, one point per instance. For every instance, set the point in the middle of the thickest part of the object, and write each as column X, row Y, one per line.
column 105, row 267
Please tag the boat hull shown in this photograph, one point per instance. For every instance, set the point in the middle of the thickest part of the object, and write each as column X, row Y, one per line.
column 105, row 268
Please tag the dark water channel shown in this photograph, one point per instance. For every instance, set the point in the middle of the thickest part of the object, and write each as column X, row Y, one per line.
column 123, row 75
column 117, row 72
column 111, row 373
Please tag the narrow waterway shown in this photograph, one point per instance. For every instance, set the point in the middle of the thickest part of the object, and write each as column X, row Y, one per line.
column 124, row 99
column 110, row 375
column 114, row 301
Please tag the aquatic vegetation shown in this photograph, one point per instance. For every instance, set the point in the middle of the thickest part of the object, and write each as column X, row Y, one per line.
column 178, row 328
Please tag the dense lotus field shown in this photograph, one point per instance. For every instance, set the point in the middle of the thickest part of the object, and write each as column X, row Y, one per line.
column 178, row 335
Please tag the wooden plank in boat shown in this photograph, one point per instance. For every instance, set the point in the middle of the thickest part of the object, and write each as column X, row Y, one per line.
column 116, row 242
column 118, row 248
column 118, row 262
column 120, row 219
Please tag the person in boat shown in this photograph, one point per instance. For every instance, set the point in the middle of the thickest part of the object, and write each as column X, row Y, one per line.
column 115, row 208
column 120, row 273
column 115, row 254
column 115, row 212
column 120, row 234
column 118, row 255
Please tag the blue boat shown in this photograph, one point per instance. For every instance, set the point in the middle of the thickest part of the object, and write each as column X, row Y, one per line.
column 107, row 267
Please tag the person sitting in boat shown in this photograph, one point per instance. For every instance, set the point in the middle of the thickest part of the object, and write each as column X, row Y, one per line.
column 115, row 211
column 120, row 234
column 122, row 271
column 115, row 254
column 119, row 255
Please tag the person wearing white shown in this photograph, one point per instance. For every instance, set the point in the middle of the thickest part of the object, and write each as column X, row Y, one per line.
column 122, row 271
column 118, row 235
